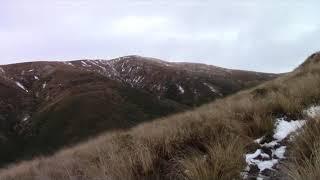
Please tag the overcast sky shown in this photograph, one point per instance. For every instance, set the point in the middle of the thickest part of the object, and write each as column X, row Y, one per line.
column 268, row 35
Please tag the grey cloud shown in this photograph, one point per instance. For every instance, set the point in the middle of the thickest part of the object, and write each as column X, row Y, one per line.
column 268, row 36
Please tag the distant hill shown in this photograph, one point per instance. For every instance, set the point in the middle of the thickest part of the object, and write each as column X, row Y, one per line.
column 47, row 105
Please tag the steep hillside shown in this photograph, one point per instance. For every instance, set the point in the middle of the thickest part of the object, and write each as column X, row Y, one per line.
column 47, row 105
column 214, row 141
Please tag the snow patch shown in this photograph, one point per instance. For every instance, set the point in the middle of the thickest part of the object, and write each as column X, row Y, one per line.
column 21, row 86
column 2, row 70
column 138, row 79
column 211, row 88
column 263, row 165
column 264, row 155
column 25, row 118
column 36, row 77
column 270, row 144
column 269, row 154
column 284, row 128
column 259, row 140
column 313, row 111
column 181, row 89
column 44, row 85
column 68, row 63
column 96, row 64
column 280, row 152
column 85, row 64
column 250, row 157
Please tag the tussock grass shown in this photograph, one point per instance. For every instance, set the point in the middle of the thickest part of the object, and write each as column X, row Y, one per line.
column 207, row 143
column 304, row 160
column 222, row 161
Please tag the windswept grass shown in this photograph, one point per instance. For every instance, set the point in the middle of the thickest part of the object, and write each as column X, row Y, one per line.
column 222, row 161
column 304, row 162
column 207, row 143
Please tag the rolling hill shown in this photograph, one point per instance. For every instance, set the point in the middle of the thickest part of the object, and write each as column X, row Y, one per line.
column 251, row 134
column 48, row 105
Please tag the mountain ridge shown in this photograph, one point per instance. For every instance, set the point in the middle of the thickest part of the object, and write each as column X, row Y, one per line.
column 242, row 136
column 47, row 105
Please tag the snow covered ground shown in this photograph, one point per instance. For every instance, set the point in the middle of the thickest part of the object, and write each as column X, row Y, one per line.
column 263, row 162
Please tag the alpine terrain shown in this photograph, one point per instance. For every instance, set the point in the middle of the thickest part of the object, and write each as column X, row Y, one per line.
column 45, row 106
column 270, row 131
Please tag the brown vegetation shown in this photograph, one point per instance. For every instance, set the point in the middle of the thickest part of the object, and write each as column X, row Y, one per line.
column 45, row 106
column 304, row 162
column 206, row 143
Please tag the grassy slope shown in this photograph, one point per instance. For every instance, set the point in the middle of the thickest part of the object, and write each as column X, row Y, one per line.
column 304, row 163
column 84, row 110
column 206, row 143
column 77, row 103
